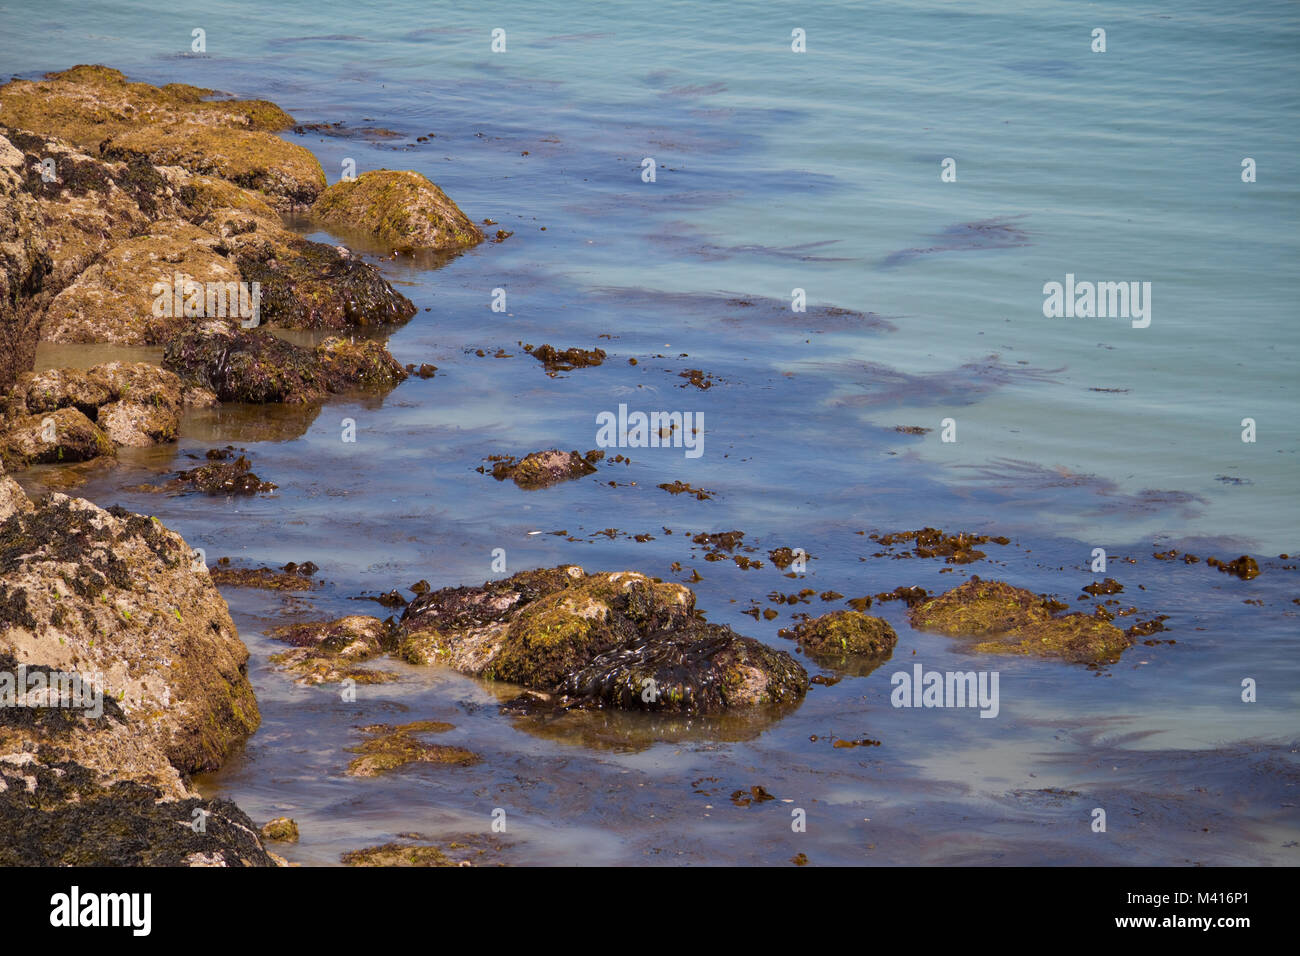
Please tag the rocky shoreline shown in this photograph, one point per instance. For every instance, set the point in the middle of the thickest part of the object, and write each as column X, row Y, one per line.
column 152, row 216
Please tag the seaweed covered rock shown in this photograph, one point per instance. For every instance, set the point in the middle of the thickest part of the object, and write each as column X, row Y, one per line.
column 847, row 640
column 117, row 596
column 331, row 651
column 597, row 639
column 704, row 669
column 1003, row 619
column 309, row 285
column 387, row 748
column 366, row 363
column 59, row 813
column 286, row 173
column 541, row 469
column 87, row 104
column 252, row 365
column 401, row 209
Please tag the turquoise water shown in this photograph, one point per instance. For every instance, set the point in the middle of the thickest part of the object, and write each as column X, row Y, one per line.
column 777, row 171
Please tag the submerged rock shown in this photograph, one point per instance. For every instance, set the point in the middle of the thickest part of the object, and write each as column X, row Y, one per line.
column 389, row 748
column 599, row 640
column 1010, row 620
column 556, row 360
column 401, row 209
column 222, row 478
column 326, row 652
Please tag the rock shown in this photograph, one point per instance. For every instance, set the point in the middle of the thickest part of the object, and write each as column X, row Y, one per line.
column 126, row 296
column 245, row 365
column 88, row 205
column 704, row 669
column 138, row 425
column 222, row 478
column 541, row 469
column 330, row 651
column 64, row 435
column 401, row 209
column 1008, row 620
column 556, row 360
column 597, row 638
column 280, row 830
column 26, row 267
column 87, row 104
column 119, row 597
column 286, row 173
column 389, row 748
column 57, row 388
column 848, row 640
column 400, row 854
column 311, row 285
column 59, row 813
column 366, row 363
column 132, row 403
column 254, row 366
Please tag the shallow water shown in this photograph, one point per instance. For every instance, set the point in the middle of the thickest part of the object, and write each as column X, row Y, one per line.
column 778, row 171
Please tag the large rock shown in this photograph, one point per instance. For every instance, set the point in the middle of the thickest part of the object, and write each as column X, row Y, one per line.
column 608, row 639
column 401, row 209
column 126, row 296
column 25, row 267
column 135, row 404
column 289, row 175
column 255, row 366
column 1001, row 619
column 119, row 596
column 87, row 104
column 120, row 674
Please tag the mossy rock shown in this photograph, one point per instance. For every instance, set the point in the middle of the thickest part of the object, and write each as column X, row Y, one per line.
column 326, row 652
column 699, row 669
column 280, row 830
column 401, row 209
column 1002, row 619
column 88, row 103
column 288, row 174
column 115, row 299
column 847, row 640
column 388, row 748
column 541, row 469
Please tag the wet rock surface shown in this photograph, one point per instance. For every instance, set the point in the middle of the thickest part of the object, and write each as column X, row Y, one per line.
column 846, row 640
column 1003, row 619
column 400, row 209
column 253, row 365
column 609, row 639
column 541, row 469
column 142, row 682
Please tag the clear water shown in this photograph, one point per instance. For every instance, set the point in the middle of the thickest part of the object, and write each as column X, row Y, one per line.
column 777, row 171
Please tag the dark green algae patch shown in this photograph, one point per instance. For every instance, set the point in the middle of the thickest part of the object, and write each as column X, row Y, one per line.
column 70, row 818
